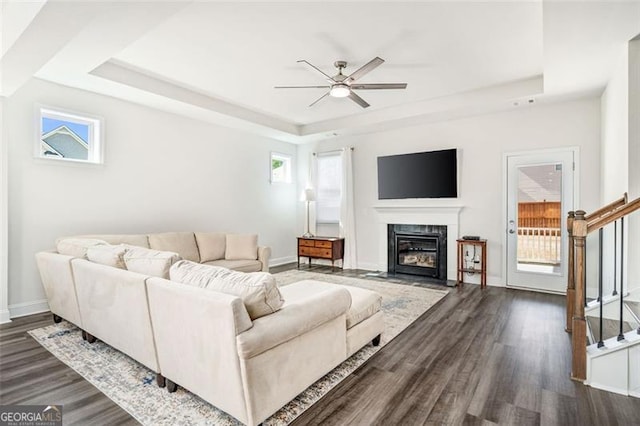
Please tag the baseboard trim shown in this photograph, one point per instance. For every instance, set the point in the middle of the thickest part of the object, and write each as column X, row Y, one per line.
column 5, row 316
column 282, row 261
column 612, row 389
column 366, row 266
column 28, row 308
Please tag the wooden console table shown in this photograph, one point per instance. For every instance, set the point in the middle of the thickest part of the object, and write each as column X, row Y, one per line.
column 330, row 248
column 483, row 262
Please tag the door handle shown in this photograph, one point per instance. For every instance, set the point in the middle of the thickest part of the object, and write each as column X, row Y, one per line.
column 512, row 227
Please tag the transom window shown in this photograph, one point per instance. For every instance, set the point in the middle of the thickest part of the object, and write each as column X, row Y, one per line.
column 68, row 136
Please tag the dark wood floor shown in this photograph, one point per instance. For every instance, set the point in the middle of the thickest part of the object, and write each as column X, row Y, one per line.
column 478, row 357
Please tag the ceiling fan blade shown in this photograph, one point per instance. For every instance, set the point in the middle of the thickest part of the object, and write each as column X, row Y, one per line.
column 365, row 69
column 357, row 99
column 319, row 99
column 302, row 87
column 377, row 86
column 327, row 76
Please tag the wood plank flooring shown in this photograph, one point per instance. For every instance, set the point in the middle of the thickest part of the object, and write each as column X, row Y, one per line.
column 494, row 356
column 29, row 374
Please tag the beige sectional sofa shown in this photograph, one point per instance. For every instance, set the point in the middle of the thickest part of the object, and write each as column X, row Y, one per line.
column 246, row 349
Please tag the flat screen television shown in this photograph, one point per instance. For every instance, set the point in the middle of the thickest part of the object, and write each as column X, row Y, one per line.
column 432, row 174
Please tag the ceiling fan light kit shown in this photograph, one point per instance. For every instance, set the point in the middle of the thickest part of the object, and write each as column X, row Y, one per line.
column 339, row 90
column 341, row 86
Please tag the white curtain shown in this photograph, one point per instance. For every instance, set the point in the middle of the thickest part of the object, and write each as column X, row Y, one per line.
column 312, row 183
column 347, row 213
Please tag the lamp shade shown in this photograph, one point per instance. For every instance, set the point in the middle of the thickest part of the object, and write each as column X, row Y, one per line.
column 309, row 195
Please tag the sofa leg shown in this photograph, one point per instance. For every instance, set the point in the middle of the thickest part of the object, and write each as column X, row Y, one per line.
column 171, row 387
column 56, row 318
column 160, row 380
column 376, row 340
column 90, row 338
column 84, row 335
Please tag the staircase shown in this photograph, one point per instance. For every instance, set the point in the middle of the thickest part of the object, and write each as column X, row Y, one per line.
column 603, row 315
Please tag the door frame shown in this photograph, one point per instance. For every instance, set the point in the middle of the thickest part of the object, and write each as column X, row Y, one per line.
column 505, row 195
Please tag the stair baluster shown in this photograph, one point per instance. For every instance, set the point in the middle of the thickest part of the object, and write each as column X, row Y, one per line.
column 621, row 334
column 600, row 295
column 615, row 257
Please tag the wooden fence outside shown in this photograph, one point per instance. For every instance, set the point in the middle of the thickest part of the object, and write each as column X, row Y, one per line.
column 539, row 232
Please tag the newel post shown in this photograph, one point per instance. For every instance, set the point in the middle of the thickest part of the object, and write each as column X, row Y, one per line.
column 571, row 285
column 579, row 325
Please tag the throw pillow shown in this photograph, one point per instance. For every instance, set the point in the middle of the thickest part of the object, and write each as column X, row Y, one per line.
column 77, row 247
column 241, row 246
column 258, row 290
column 183, row 243
column 150, row 262
column 108, row 255
column 211, row 245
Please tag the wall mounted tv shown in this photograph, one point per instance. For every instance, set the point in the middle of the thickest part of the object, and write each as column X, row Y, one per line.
column 432, row 174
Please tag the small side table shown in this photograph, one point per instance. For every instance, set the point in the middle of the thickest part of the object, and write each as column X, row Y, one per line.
column 483, row 262
column 329, row 248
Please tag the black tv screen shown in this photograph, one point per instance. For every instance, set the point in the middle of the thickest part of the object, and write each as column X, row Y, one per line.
column 431, row 174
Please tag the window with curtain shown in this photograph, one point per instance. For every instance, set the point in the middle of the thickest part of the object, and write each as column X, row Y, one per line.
column 328, row 187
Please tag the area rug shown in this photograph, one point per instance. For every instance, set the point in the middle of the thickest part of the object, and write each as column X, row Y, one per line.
column 132, row 386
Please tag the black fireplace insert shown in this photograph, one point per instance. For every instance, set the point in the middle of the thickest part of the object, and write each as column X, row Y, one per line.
column 418, row 250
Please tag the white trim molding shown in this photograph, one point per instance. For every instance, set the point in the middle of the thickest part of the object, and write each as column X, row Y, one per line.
column 28, row 308
column 440, row 214
column 4, row 221
column 282, row 261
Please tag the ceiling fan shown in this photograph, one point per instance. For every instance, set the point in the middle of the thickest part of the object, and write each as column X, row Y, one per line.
column 343, row 86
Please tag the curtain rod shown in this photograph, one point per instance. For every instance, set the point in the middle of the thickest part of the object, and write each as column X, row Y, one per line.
column 335, row 150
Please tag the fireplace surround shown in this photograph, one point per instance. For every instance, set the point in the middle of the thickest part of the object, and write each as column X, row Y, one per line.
column 418, row 249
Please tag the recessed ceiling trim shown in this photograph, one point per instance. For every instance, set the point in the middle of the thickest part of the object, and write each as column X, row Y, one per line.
column 114, row 71
column 449, row 105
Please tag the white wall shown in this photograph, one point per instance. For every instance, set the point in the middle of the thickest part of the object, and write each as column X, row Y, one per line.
column 162, row 172
column 620, row 106
column 481, row 142
column 4, row 222
column 634, row 161
column 615, row 133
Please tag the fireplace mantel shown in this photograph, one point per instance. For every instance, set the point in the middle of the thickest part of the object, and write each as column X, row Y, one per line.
column 443, row 214
column 409, row 209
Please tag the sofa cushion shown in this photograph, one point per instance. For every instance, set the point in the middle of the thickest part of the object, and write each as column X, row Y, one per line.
column 108, row 255
column 237, row 265
column 140, row 240
column 258, row 290
column 150, row 262
column 241, row 246
column 211, row 245
column 364, row 304
column 183, row 243
column 77, row 247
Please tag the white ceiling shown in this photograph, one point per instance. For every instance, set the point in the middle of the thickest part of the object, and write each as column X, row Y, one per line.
column 219, row 61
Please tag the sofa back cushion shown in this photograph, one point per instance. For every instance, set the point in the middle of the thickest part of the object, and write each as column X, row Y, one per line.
column 139, row 240
column 77, row 247
column 150, row 262
column 241, row 246
column 108, row 255
column 258, row 290
column 183, row 243
column 211, row 245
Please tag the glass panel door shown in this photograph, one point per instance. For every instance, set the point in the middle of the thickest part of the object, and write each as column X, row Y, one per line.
column 539, row 196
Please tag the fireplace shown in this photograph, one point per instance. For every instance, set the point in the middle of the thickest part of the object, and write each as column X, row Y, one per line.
column 418, row 250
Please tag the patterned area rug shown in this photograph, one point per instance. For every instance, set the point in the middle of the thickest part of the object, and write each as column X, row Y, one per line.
column 132, row 386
